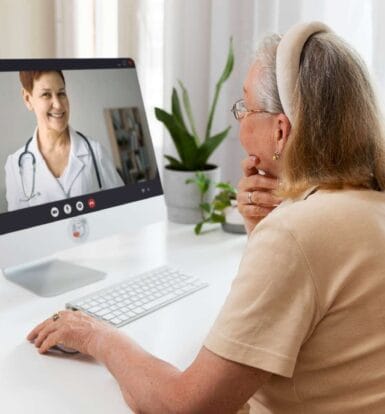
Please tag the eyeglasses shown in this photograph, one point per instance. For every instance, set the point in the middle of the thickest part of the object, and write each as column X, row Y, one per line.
column 240, row 110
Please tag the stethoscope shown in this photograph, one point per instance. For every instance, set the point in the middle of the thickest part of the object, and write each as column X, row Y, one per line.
column 28, row 153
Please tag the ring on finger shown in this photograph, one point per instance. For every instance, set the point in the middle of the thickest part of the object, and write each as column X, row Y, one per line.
column 55, row 316
column 249, row 200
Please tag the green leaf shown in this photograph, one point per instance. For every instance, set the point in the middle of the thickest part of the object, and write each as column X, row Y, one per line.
column 202, row 181
column 229, row 64
column 217, row 218
column 225, row 75
column 206, row 186
column 198, row 228
column 187, row 107
column 184, row 142
column 174, row 163
column 219, row 205
column 225, row 196
column 208, row 147
column 176, row 109
column 205, row 207
column 226, row 187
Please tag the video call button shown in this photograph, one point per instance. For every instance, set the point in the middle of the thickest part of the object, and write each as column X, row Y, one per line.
column 67, row 208
column 54, row 212
column 79, row 206
column 91, row 203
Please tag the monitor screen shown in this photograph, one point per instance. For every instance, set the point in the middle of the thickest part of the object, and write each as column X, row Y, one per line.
column 77, row 165
column 74, row 140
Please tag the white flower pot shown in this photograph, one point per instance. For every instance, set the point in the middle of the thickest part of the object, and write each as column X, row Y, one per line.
column 183, row 199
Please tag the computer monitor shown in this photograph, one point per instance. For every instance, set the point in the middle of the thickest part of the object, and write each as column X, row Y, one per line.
column 77, row 164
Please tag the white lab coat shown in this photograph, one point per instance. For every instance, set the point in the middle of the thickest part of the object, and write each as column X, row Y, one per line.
column 78, row 178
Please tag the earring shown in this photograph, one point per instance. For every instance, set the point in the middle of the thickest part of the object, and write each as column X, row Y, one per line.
column 277, row 136
column 276, row 156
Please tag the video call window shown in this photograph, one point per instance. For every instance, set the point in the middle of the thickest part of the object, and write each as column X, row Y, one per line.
column 68, row 133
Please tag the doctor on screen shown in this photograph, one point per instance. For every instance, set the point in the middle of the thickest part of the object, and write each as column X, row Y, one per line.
column 57, row 162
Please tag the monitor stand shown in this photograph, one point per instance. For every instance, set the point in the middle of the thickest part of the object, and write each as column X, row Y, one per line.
column 52, row 277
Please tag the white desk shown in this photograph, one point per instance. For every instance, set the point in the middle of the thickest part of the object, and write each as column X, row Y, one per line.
column 32, row 383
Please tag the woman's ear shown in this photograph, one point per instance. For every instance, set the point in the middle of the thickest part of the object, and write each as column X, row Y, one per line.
column 282, row 133
column 27, row 99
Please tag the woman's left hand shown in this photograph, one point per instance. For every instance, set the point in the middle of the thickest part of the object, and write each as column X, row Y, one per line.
column 72, row 329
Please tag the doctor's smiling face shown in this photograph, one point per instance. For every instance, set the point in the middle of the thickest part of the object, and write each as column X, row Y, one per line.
column 47, row 98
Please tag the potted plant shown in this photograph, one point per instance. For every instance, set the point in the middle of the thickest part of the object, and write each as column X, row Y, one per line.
column 221, row 209
column 193, row 151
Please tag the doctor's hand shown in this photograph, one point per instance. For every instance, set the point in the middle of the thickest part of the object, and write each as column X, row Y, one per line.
column 71, row 329
column 255, row 197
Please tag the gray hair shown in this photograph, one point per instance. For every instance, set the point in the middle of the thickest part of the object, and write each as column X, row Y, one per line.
column 266, row 91
column 337, row 136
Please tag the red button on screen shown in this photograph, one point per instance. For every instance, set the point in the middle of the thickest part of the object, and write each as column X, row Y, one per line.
column 91, row 203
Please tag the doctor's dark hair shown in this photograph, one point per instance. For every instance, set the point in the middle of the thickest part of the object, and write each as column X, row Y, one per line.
column 27, row 77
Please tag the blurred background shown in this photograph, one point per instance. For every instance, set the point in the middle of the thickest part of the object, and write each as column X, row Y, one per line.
column 186, row 40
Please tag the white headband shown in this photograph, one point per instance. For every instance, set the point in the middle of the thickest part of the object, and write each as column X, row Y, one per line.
column 288, row 59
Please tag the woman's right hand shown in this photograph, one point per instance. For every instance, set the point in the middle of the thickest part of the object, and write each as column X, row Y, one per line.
column 260, row 187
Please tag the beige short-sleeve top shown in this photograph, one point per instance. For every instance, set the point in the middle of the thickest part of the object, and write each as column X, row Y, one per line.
column 308, row 305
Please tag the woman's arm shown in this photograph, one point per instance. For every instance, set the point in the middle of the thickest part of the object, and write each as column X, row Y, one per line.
column 149, row 385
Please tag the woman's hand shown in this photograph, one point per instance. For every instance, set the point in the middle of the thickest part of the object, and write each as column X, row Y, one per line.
column 72, row 329
column 255, row 199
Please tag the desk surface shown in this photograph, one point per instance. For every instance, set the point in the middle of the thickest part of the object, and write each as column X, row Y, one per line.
column 32, row 383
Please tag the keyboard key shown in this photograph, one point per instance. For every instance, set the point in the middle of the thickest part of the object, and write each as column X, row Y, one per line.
column 103, row 312
column 158, row 301
column 116, row 321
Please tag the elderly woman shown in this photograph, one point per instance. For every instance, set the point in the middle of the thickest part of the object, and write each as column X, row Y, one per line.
column 302, row 329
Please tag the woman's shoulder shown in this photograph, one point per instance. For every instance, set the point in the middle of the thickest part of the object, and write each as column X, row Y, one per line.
column 325, row 208
column 327, row 226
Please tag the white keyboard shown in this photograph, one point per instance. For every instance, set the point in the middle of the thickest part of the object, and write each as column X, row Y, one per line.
column 137, row 296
